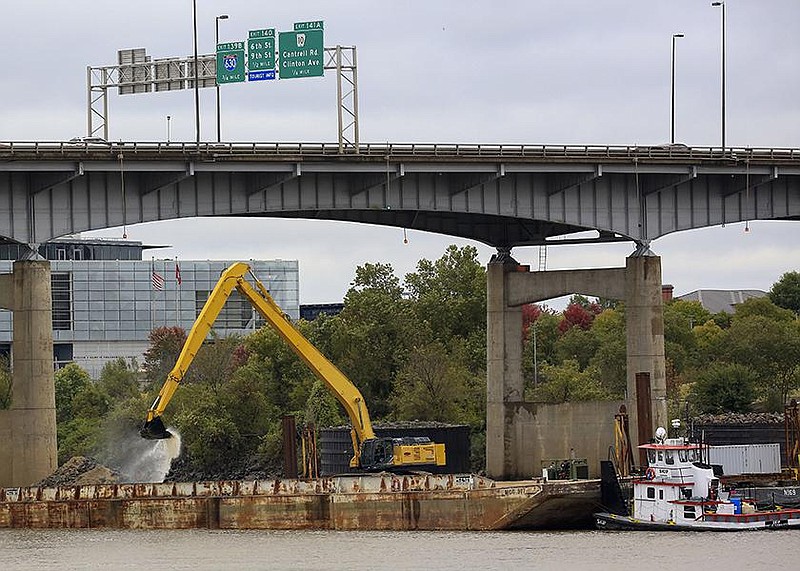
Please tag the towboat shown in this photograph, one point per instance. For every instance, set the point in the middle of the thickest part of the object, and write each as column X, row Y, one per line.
column 678, row 492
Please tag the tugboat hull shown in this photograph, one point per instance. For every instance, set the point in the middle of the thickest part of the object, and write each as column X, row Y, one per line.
column 770, row 520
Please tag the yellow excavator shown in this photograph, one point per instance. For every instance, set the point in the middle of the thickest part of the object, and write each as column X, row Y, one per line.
column 370, row 453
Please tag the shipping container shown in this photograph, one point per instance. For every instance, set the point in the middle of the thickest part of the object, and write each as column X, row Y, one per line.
column 336, row 447
column 735, row 433
column 747, row 458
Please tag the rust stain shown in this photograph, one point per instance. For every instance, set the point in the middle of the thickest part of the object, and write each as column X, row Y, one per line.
column 380, row 502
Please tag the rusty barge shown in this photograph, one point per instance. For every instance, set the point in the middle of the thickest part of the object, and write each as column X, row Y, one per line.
column 354, row 502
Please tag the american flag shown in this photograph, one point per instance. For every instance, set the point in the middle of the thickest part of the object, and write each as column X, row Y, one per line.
column 158, row 281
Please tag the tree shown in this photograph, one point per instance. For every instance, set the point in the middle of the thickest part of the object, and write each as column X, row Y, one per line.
column 211, row 438
column 769, row 348
column 578, row 314
column 119, row 381
column 707, row 343
column 433, row 385
column 577, row 344
column 69, row 382
column 284, row 379
column 567, row 383
column 724, row 387
column 786, row 292
column 322, row 408
column 216, row 361
column 375, row 332
column 610, row 358
column 530, row 313
column 763, row 307
column 450, row 293
column 165, row 346
column 80, row 408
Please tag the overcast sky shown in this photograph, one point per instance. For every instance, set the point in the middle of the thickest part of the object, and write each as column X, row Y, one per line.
column 537, row 72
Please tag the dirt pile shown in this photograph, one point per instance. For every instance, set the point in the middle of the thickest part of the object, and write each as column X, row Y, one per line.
column 80, row 471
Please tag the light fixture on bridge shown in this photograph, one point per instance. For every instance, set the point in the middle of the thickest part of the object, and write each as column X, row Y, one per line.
column 196, row 77
column 672, row 111
column 722, row 4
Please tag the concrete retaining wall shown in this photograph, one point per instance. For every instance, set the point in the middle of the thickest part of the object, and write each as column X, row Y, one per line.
column 555, row 431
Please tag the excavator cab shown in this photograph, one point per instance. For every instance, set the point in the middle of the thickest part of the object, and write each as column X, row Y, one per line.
column 400, row 454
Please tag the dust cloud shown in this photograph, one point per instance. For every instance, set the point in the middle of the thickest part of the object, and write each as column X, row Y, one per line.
column 140, row 460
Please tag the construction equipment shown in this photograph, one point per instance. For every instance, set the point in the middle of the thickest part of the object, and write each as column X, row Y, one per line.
column 369, row 452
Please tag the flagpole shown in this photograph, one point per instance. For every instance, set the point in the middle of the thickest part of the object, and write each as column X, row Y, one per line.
column 177, row 294
column 152, row 303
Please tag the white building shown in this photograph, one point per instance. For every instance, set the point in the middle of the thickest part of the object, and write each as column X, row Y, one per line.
column 106, row 299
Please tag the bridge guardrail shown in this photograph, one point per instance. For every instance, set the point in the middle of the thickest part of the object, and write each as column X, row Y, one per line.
column 420, row 151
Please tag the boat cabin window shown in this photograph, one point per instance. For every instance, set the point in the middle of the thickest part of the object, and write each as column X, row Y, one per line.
column 694, row 455
column 651, row 457
column 660, row 494
column 651, row 493
column 670, row 456
column 660, row 455
column 683, row 455
column 687, row 492
column 688, row 512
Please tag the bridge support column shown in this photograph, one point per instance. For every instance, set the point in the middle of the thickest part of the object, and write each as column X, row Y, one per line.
column 508, row 416
column 28, row 447
column 644, row 323
column 504, row 382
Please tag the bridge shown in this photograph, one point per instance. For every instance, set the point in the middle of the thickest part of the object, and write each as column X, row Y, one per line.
column 502, row 195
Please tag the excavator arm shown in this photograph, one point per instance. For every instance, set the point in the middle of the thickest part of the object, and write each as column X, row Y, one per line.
column 369, row 452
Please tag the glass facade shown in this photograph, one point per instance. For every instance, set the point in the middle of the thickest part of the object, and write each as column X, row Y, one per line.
column 106, row 309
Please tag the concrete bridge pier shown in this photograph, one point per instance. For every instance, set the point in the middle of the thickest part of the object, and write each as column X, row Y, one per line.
column 28, row 447
column 509, row 286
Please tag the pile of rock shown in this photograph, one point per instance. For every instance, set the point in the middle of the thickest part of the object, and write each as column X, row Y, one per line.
column 81, row 471
column 741, row 418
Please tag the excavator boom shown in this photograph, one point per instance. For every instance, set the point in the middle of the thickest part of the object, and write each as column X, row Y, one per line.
column 369, row 452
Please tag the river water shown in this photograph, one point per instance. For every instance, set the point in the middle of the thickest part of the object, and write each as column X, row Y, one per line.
column 200, row 550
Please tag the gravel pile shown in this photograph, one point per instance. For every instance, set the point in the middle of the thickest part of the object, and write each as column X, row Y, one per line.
column 741, row 418
column 80, row 471
column 246, row 469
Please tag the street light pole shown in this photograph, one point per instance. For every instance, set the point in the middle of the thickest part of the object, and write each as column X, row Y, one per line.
column 216, row 37
column 722, row 4
column 672, row 112
column 196, row 78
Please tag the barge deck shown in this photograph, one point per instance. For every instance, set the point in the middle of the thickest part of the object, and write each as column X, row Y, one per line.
column 363, row 502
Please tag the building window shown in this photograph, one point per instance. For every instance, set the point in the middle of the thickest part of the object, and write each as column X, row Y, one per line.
column 61, row 254
column 62, row 354
column 61, row 285
column 237, row 313
column 77, row 253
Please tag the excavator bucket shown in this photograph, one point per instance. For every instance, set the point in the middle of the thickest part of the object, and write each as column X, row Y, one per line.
column 154, row 430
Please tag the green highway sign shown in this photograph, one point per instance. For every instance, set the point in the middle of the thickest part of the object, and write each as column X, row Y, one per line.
column 304, row 26
column 230, row 62
column 300, row 53
column 261, row 50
